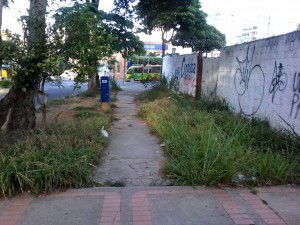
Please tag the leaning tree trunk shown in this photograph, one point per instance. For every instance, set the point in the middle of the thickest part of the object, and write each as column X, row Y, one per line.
column 1, row 14
column 5, row 102
column 21, row 109
column 17, row 108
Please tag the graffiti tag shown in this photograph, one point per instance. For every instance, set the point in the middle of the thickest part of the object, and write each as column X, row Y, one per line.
column 244, row 80
column 188, row 71
column 296, row 96
column 279, row 80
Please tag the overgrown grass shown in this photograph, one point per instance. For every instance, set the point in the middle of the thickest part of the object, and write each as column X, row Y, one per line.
column 84, row 108
column 56, row 102
column 87, row 94
column 62, row 156
column 86, row 114
column 152, row 94
column 207, row 144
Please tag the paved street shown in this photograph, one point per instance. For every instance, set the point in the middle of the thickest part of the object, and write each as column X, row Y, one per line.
column 55, row 92
column 3, row 92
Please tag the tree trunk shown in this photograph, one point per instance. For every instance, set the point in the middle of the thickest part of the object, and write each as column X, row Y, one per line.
column 22, row 111
column 17, row 108
column 1, row 11
column 163, row 45
column 43, row 104
column 37, row 21
column 94, row 84
column 199, row 75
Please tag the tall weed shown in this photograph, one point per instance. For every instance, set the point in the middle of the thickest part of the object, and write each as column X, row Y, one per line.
column 207, row 144
column 62, row 156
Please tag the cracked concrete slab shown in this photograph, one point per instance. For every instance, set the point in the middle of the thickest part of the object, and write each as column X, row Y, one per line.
column 133, row 156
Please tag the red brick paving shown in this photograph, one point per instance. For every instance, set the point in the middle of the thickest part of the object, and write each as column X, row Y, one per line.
column 141, row 212
column 110, row 213
column 15, row 210
column 111, row 209
column 263, row 210
column 234, row 210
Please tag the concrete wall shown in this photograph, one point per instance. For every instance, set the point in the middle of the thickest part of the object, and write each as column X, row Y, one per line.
column 210, row 73
column 260, row 79
column 182, row 70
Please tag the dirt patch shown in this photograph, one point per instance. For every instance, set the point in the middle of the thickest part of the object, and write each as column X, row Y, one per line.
column 64, row 112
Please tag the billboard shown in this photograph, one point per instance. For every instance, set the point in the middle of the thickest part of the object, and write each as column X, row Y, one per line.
column 154, row 47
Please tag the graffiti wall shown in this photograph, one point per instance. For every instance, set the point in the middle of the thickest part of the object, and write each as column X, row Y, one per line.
column 260, row 79
column 181, row 70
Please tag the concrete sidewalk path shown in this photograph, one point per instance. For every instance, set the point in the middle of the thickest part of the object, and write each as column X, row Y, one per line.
column 156, row 206
column 133, row 156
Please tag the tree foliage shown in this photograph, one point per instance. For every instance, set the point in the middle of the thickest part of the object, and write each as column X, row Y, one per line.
column 202, row 38
column 126, row 42
column 152, row 60
column 124, row 8
column 166, row 16
column 80, row 39
column 85, row 35
column 184, row 19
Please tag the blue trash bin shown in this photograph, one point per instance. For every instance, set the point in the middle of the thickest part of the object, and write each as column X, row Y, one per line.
column 104, row 82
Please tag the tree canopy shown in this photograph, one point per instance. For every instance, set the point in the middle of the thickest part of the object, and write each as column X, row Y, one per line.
column 203, row 38
column 80, row 38
column 183, row 19
column 150, row 59
column 85, row 35
column 83, row 29
column 166, row 16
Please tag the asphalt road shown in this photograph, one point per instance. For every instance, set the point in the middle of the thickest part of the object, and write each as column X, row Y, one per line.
column 55, row 92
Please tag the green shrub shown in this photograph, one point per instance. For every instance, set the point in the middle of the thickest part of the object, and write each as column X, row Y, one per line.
column 5, row 83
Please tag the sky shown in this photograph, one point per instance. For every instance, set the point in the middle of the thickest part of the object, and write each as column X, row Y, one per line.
column 273, row 17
